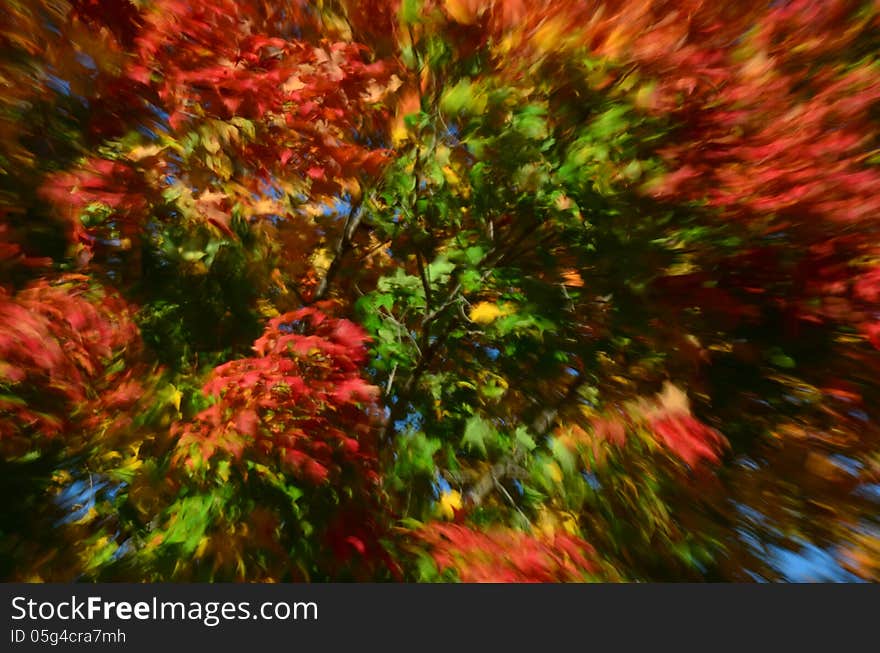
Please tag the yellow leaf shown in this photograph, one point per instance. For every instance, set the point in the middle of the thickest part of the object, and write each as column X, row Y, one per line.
column 449, row 503
column 203, row 545
column 144, row 151
column 547, row 522
column 554, row 472
column 321, row 259
column 570, row 525
column 130, row 464
column 399, row 132
column 267, row 309
column 486, row 312
column 86, row 518
column 210, row 142
column 175, row 397
column 451, row 177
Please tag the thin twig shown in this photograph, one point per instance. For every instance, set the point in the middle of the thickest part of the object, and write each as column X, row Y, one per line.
column 390, row 380
column 516, row 507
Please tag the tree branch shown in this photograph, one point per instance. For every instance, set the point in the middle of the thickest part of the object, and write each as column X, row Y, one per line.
column 343, row 245
column 424, row 277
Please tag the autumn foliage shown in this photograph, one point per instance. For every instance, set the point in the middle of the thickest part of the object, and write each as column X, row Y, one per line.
column 58, row 345
column 503, row 556
column 438, row 290
column 300, row 404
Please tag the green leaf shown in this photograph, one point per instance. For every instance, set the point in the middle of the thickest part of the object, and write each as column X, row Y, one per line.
column 492, row 390
column 563, row 456
column 410, row 11
column 476, row 431
column 530, row 122
column 246, row 126
column 418, row 454
column 474, row 255
column 464, row 97
column 523, row 438
column 440, row 269
column 471, row 280
column 780, row 359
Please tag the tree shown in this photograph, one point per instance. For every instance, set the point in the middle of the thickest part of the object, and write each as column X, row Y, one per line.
column 439, row 289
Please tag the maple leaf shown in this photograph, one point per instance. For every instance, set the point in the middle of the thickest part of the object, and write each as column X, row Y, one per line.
column 486, row 312
column 450, row 503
